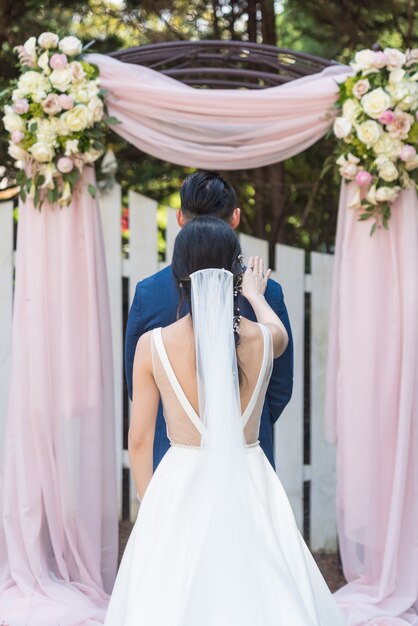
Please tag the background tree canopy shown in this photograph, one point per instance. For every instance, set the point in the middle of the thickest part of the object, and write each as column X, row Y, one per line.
column 288, row 202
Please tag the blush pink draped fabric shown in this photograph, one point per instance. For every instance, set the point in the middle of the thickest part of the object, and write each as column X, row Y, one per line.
column 58, row 537
column 217, row 128
column 372, row 413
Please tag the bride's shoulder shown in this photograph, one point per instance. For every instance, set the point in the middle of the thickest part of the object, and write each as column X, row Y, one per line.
column 250, row 331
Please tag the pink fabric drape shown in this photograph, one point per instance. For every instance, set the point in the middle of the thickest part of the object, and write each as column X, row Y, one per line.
column 217, row 128
column 372, row 413
column 58, row 536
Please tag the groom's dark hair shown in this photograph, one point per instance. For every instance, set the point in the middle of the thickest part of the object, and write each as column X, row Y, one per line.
column 207, row 193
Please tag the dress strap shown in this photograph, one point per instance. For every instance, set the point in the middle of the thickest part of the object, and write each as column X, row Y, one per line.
column 264, row 365
column 174, row 382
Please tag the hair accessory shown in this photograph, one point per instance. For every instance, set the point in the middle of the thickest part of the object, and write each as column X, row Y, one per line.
column 236, row 323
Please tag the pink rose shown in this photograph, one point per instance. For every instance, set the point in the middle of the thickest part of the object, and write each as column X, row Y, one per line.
column 20, row 106
column 58, row 61
column 407, row 153
column 401, row 125
column 387, row 117
column 363, row 178
column 65, row 165
column 67, row 102
column 17, row 136
column 52, row 105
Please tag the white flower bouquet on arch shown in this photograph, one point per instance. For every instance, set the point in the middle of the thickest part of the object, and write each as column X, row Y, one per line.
column 56, row 118
column 377, row 130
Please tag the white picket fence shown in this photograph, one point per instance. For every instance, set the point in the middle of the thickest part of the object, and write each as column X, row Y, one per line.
column 319, row 474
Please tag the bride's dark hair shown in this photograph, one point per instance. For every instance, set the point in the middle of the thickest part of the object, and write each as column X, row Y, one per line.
column 206, row 242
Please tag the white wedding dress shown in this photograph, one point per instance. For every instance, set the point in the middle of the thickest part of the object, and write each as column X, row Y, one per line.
column 196, row 557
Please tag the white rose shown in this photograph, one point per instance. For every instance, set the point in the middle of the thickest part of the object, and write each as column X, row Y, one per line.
column 95, row 108
column 43, row 63
column 18, row 94
column 348, row 166
column 399, row 90
column 351, row 109
column 388, row 146
column 71, row 147
column 376, row 102
column 91, row 156
column 47, row 131
column 12, row 121
column 17, row 153
column 396, row 76
column 77, row 71
column 42, row 152
column 361, row 87
column 71, row 46
column 76, row 119
column 395, row 58
column 388, row 171
column 387, row 194
column 30, row 48
column 369, row 132
column 48, row 40
column 61, row 79
column 80, row 93
column 33, row 82
column 363, row 60
column 342, row 127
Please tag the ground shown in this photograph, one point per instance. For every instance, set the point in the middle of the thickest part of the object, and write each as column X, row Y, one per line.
column 328, row 563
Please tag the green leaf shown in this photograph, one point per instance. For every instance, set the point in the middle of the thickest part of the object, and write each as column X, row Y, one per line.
column 373, row 229
column 92, row 190
column 50, row 196
column 111, row 120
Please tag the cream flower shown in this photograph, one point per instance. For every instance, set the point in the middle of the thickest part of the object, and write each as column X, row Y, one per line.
column 91, row 156
column 52, row 105
column 369, row 132
column 395, row 58
column 387, row 194
column 43, row 63
column 33, row 82
column 363, row 60
column 361, row 87
column 48, row 172
column 71, row 46
column 375, row 102
column 12, row 121
column 17, row 152
column 71, row 147
column 342, row 127
column 48, row 40
column 30, row 49
column 388, row 146
column 47, row 131
column 348, row 166
column 76, row 119
column 42, row 152
column 411, row 165
column 95, row 107
column 61, row 79
column 387, row 169
column 77, row 71
column 351, row 109
column 66, row 194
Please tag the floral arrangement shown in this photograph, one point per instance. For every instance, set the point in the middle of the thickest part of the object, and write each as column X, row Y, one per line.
column 377, row 129
column 56, row 118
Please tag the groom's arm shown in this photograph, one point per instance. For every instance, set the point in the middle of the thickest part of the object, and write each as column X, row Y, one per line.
column 280, row 386
column 134, row 330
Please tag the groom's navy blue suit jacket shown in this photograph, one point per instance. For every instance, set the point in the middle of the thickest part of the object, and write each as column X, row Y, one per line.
column 155, row 304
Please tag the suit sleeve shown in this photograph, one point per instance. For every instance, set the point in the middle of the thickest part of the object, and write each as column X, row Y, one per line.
column 134, row 329
column 280, row 386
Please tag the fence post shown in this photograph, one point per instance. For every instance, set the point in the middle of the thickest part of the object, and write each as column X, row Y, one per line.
column 323, row 532
column 6, row 303
column 110, row 209
column 288, row 432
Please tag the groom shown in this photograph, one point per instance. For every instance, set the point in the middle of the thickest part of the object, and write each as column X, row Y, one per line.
column 156, row 301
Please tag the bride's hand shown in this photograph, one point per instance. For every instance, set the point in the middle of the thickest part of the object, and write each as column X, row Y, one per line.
column 254, row 281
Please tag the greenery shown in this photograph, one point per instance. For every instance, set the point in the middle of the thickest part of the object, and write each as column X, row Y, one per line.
column 291, row 202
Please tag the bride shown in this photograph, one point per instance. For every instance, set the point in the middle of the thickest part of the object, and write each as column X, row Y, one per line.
column 215, row 542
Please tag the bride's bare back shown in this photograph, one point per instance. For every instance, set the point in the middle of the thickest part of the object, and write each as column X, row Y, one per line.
column 173, row 348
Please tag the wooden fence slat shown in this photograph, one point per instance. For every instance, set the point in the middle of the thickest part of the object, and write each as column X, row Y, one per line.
column 323, row 532
column 110, row 203
column 288, row 431
column 251, row 246
column 6, row 304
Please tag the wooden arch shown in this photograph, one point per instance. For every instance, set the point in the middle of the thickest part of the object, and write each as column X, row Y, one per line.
column 224, row 64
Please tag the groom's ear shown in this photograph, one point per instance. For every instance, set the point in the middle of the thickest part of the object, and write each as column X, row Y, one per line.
column 180, row 218
column 235, row 219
